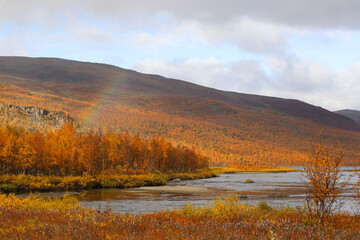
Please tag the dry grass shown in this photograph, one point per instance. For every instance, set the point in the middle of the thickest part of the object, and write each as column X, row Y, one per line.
column 25, row 183
column 223, row 219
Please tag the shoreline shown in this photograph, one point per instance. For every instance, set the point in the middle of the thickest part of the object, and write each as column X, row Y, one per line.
column 22, row 184
column 231, row 170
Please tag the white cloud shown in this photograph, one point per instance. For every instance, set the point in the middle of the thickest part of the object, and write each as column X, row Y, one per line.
column 10, row 47
column 146, row 40
column 205, row 21
column 305, row 13
column 92, row 34
column 257, row 26
column 204, row 72
column 248, row 34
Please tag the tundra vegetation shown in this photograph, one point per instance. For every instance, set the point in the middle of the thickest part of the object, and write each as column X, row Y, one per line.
column 356, row 187
column 226, row 133
column 66, row 159
column 85, row 160
column 38, row 218
column 325, row 182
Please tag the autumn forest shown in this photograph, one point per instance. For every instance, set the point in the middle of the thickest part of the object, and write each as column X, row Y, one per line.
column 66, row 152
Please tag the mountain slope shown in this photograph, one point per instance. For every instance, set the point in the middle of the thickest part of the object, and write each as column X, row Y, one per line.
column 228, row 127
column 87, row 80
column 352, row 114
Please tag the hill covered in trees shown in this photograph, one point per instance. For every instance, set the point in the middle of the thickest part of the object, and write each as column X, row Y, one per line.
column 227, row 127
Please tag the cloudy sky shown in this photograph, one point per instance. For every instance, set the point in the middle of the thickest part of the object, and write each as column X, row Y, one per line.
column 302, row 49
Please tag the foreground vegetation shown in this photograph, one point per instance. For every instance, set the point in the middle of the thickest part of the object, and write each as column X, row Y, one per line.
column 110, row 179
column 63, row 218
column 37, row 218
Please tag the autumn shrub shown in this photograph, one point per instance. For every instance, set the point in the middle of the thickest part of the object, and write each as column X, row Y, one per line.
column 230, row 207
column 26, row 183
column 228, row 218
column 264, row 206
column 21, row 183
column 356, row 186
column 203, row 173
column 129, row 181
column 77, row 182
column 323, row 175
column 35, row 202
column 8, row 187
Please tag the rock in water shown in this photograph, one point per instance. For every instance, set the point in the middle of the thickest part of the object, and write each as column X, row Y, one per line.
column 248, row 181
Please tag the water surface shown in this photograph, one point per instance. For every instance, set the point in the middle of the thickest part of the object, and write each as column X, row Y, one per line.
column 277, row 189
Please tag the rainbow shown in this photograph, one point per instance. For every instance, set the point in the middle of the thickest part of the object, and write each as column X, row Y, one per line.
column 96, row 108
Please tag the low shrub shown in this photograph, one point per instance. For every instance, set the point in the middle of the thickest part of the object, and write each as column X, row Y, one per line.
column 27, row 183
column 37, row 218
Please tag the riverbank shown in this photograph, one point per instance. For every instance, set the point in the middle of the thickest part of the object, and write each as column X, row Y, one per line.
column 39, row 218
column 30, row 183
column 252, row 169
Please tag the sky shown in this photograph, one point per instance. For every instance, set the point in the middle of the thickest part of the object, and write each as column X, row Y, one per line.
column 306, row 50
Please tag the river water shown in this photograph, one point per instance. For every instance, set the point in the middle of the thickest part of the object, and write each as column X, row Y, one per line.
column 277, row 189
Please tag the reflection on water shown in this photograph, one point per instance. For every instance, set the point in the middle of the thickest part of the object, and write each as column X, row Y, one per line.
column 278, row 189
column 133, row 201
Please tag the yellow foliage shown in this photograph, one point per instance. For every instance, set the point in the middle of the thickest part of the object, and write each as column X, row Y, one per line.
column 323, row 180
column 35, row 202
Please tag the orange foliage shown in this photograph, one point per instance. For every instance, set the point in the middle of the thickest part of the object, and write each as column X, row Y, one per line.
column 225, row 134
column 67, row 152
column 357, row 184
column 227, row 219
column 323, row 178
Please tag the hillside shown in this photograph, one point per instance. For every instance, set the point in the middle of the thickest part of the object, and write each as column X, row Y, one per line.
column 352, row 114
column 230, row 128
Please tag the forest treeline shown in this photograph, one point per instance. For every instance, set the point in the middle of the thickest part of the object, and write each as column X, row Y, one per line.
column 67, row 152
column 247, row 137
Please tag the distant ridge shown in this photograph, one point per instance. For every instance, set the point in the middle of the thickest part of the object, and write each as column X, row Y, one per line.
column 352, row 114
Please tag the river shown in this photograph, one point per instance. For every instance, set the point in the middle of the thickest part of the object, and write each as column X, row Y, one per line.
column 277, row 189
